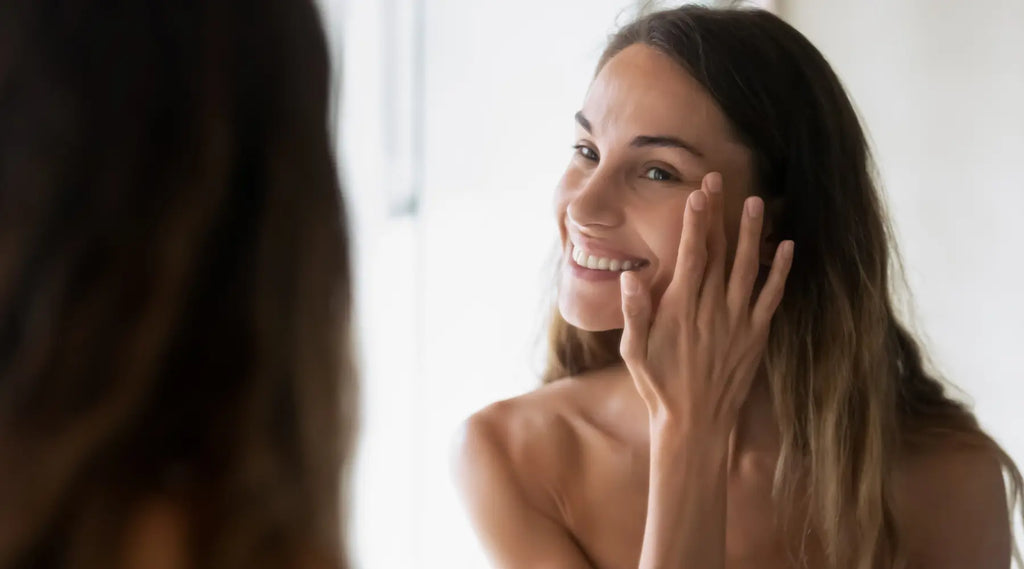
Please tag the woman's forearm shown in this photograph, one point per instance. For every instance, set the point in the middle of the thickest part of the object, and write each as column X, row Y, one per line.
column 685, row 527
column 693, row 362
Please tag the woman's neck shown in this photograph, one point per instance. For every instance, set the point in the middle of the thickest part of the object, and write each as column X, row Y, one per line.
column 756, row 428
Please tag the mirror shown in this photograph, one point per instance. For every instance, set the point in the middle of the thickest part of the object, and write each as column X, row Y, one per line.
column 457, row 122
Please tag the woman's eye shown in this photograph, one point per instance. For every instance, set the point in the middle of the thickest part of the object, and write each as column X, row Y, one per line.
column 586, row 152
column 658, row 175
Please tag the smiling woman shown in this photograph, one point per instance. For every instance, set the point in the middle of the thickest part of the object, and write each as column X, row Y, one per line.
column 728, row 384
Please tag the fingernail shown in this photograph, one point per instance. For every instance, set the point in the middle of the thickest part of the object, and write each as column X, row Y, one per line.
column 698, row 200
column 629, row 284
column 754, row 207
column 787, row 248
column 714, row 182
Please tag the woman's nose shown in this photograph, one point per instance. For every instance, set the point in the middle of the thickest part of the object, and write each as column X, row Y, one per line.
column 598, row 202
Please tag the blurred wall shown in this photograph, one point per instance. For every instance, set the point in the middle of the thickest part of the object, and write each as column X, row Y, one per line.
column 454, row 235
column 940, row 86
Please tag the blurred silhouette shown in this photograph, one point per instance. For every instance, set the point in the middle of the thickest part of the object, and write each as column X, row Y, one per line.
column 175, row 373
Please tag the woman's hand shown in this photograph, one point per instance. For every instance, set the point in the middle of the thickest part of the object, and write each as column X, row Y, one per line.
column 693, row 360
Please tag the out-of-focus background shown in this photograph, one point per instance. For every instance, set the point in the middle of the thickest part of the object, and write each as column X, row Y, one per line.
column 456, row 122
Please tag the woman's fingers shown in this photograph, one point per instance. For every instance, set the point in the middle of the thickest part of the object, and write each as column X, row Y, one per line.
column 771, row 294
column 692, row 256
column 747, row 263
column 713, row 288
column 636, row 313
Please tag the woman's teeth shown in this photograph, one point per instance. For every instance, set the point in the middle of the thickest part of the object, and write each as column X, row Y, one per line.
column 602, row 263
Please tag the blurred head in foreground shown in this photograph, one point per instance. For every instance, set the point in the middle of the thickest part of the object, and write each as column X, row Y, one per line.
column 174, row 286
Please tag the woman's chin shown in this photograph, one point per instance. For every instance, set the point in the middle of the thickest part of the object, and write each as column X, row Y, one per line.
column 592, row 317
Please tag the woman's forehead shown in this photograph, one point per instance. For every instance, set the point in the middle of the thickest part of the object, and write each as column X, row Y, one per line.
column 643, row 91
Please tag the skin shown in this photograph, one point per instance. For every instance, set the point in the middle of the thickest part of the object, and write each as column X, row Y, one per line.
column 667, row 461
column 158, row 537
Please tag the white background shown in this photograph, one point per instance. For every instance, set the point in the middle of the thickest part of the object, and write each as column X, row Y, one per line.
column 468, row 104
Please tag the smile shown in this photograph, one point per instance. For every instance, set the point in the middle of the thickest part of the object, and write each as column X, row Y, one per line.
column 599, row 263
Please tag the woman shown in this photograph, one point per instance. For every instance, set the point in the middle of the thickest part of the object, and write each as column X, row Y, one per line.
column 728, row 383
column 175, row 376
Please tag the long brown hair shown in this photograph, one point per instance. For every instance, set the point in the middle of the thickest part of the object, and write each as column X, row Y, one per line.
column 174, row 281
column 850, row 387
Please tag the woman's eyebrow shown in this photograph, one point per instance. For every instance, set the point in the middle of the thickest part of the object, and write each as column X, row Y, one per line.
column 584, row 122
column 670, row 141
column 641, row 141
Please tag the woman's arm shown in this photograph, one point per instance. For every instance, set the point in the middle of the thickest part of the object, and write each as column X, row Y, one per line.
column 693, row 361
column 687, row 497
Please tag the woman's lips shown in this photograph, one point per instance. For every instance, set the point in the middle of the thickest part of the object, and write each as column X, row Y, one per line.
column 588, row 265
column 592, row 260
column 595, row 254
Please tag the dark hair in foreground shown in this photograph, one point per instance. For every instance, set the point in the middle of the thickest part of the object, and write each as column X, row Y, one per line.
column 850, row 387
column 174, row 281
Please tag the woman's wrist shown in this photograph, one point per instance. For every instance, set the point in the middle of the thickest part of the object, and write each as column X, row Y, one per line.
column 676, row 446
column 687, row 497
column 673, row 433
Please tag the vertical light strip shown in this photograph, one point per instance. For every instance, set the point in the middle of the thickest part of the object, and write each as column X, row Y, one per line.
column 402, row 108
column 416, row 183
column 418, row 94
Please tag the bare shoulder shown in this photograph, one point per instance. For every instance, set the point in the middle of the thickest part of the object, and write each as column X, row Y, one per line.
column 511, row 464
column 952, row 508
column 532, row 436
column 542, row 434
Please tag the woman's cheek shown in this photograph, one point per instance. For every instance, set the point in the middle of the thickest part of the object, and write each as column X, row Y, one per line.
column 564, row 189
column 665, row 244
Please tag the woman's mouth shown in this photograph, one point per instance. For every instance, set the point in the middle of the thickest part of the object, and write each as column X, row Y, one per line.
column 597, row 262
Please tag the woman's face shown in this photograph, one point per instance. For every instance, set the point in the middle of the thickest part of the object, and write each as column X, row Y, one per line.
column 647, row 135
